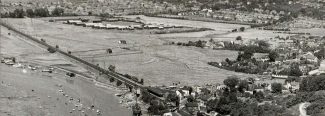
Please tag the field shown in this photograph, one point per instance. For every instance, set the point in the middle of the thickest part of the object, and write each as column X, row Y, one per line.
column 34, row 93
column 146, row 55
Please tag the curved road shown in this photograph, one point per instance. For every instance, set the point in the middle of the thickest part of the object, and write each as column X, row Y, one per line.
column 302, row 108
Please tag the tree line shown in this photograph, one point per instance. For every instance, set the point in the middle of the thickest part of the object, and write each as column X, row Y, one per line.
column 37, row 12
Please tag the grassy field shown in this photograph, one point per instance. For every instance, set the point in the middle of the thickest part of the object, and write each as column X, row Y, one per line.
column 35, row 93
column 146, row 57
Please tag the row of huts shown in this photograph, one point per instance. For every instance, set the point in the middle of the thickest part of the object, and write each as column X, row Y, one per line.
column 100, row 25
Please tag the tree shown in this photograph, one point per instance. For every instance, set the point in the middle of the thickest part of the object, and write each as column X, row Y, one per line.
column 269, row 110
column 51, row 50
column 242, row 29
column 242, row 86
column 41, row 12
column 273, row 56
column 141, row 81
column 172, row 97
column 199, row 44
column 111, row 68
column 19, row 13
column 259, row 96
column 58, row 11
column 239, row 38
column 276, row 87
column 314, row 83
column 248, row 54
column 231, row 81
column 228, row 61
column 212, row 104
column 30, row 13
column 294, row 70
column 118, row 83
column 263, row 44
column 320, row 54
column 111, row 79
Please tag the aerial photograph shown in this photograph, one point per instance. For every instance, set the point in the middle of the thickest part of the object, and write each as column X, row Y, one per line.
column 162, row 58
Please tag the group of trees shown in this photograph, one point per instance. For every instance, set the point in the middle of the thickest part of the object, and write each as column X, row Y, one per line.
column 244, row 63
column 312, row 89
column 229, row 104
column 293, row 70
column 156, row 107
column 259, row 47
column 38, row 12
column 314, row 83
column 198, row 43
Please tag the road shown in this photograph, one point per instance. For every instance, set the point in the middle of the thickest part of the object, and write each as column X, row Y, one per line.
column 302, row 108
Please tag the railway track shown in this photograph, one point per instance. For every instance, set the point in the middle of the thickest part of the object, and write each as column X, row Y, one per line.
column 109, row 74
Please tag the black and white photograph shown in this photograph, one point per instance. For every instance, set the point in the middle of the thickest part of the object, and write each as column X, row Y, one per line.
column 162, row 57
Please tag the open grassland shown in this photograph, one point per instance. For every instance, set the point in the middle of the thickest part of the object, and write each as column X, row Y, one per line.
column 16, row 46
column 35, row 93
column 146, row 57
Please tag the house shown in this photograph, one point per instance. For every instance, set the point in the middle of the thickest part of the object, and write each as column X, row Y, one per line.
column 74, row 21
column 156, row 91
column 263, row 58
column 119, row 27
column 280, row 76
column 209, row 44
column 309, row 56
column 89, row 24
column 122, row 42
column 110, row 26
column 172, row 114
column 286, row 42
column 320, row 70
column 292, row 86
column 221, row 87
column 97, row 21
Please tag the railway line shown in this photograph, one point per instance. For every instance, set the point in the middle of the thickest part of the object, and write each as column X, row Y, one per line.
column 109, row 74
